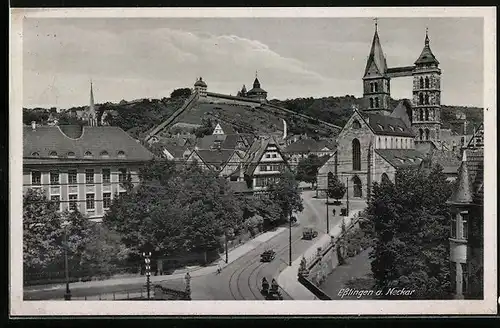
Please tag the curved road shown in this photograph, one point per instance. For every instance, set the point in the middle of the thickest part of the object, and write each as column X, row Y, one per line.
column 241, row 279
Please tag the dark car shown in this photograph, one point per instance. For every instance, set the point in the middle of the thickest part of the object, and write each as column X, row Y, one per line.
column 267, row 256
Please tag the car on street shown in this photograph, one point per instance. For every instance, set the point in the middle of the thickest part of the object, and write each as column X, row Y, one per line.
column 309, row 233
column 267, row 256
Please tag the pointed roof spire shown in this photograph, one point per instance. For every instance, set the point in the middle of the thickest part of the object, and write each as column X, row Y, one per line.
column 463, row 192
column 426, row 57
column 256, row 83
column 91, row 104
column 376, row 56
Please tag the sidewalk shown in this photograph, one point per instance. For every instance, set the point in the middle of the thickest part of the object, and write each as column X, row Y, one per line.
column 288, row 278
column 233, row 255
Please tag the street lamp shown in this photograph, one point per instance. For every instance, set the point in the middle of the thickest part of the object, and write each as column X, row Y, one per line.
column 327, row 215
column 67, row 294
column 147, row 261
column 347, row 200
column 290, row 239
column 225, row 242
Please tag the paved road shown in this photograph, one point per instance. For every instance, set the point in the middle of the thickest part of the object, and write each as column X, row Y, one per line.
column 241, row 280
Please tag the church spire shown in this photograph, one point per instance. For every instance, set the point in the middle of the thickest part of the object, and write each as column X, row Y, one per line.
column 427, row 57
column 91, row 104
column 376, row 56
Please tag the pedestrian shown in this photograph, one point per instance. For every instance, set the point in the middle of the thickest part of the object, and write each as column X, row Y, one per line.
column 219, row 268
column 333, row 212
column 187, row 277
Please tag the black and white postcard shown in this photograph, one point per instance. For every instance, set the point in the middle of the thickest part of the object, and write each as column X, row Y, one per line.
column 298, row 161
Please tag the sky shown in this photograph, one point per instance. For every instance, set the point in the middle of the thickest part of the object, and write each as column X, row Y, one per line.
column 132, row 58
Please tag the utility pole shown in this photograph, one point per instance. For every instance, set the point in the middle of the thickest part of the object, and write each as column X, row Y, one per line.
column 225, row 241
column 67, row 295
column 347, row 191
column 147, row 261
column 290, row 238
column 327, row 215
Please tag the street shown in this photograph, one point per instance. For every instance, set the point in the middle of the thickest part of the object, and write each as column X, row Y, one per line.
column 240, row 279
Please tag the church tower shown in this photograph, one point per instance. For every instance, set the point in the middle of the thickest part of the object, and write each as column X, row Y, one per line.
column 426, row 109
column 376, row 81
column 91, row 114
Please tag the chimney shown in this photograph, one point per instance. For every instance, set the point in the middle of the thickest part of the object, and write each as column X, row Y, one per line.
column 33, row 125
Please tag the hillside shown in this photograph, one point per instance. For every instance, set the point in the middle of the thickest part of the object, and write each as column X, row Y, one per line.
column 140, row 116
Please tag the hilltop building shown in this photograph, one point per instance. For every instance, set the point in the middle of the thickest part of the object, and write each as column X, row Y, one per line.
column 90, row 115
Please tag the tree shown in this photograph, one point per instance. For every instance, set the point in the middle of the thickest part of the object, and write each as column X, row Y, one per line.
column 285, row 193
column 181, row 93
column 410, row 226
column 307, row 169
column 336, row 189
column 41, row 230
column 206, row 128
column 176, row 210
column 66, row 119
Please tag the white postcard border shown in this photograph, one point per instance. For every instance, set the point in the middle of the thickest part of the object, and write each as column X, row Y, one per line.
column 47, row 308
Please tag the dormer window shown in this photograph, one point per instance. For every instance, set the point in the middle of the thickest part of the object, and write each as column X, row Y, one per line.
column 88, row 154
column 400, row 129
column 71, row 154
column 53, row 154
column 121, row 154
column 104, row 154
column 380, row 127
column 35, row 154
column 391, row 127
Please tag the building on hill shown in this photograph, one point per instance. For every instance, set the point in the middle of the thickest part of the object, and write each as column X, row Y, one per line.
column 257, row 92
column 370, row 147
column 466, row 237
column 81, row 167
column 305, row 147
column 223, row 128
column 242, row 92
column 201, row 87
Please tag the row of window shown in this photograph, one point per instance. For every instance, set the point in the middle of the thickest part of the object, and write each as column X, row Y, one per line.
column 274, row 167
column 120, row 154
column 265, row 181
column 89, row 201
column 425, row 99
column 424, row 134
column 424, row 114
column 394, row 143
column 424, row 83
column 36, row 176
column 271, row 155
column 374, row 102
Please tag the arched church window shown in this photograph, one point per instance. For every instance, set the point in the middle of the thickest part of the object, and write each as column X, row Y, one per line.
column 356, row 155
column 375, row 86
column 427, row 82
column 385, row 178
column 53, row 154
column 421, row 111
column 379, row 145
column 420, row 99
column 376, row 102
column 426, row 114
column 356, row 124
column 426, row 134
column 358, row 190
column 421, row 83
column 386, row 145
column 371, row 102
column 421, row 134
column 427, row 99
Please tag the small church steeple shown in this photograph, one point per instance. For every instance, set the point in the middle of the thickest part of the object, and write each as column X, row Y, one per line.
column 91, row 114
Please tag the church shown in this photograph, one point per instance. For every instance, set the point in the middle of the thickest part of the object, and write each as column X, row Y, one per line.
column 376, row 140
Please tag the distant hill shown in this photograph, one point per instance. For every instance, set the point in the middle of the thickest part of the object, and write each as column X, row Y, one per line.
column 139, row 116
